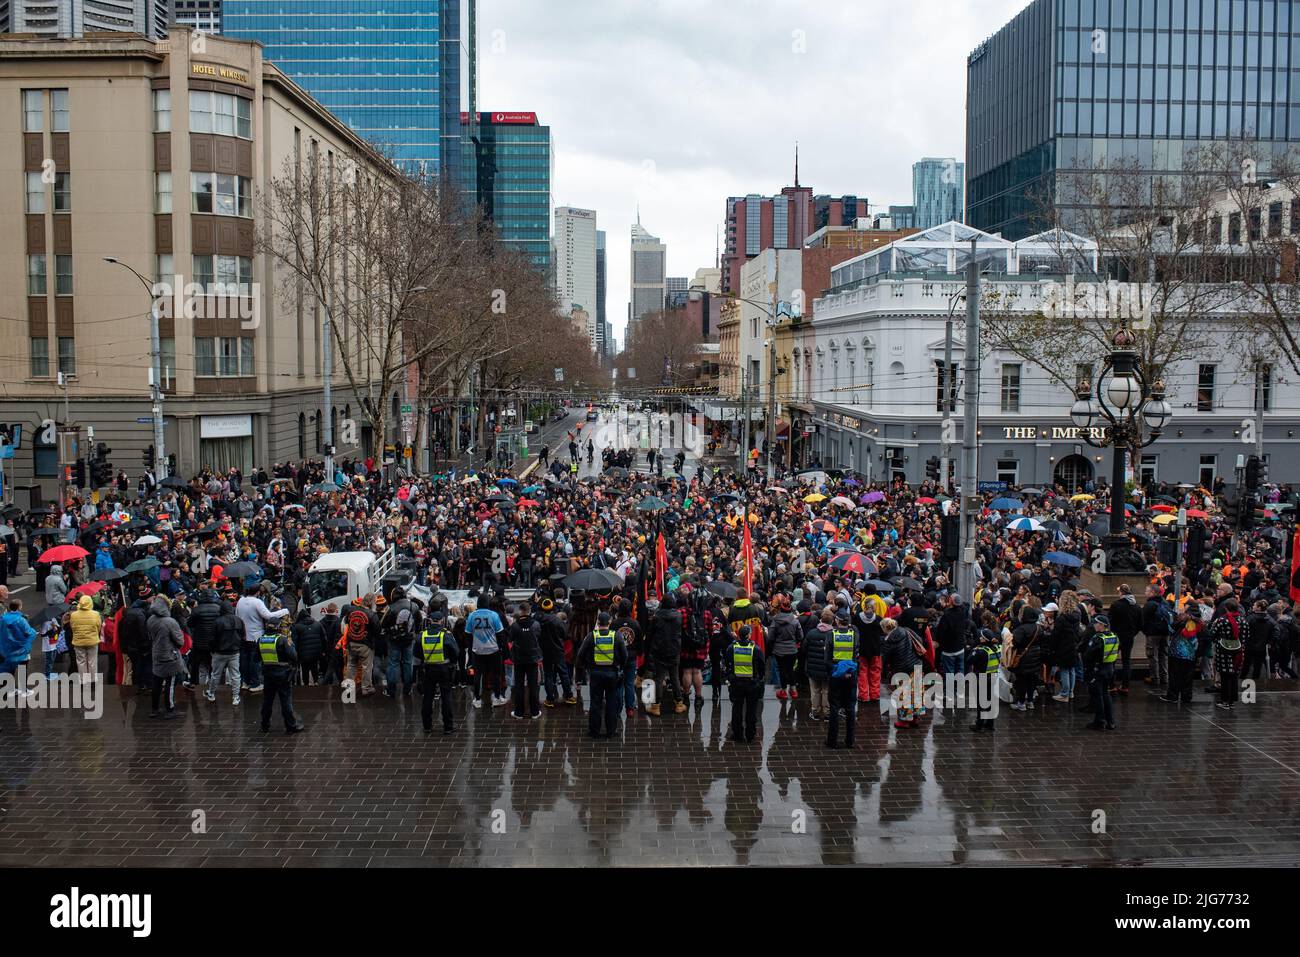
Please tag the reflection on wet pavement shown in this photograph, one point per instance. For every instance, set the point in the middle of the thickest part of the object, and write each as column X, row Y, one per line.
column 366, row 787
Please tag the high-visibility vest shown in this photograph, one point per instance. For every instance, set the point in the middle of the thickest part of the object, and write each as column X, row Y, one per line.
column 842, row 642
column 573, row 467
column 1109, row 648
column 742, row 660
column 604, row 641
column 992, row 659
column 268, row 645
column 431, row 644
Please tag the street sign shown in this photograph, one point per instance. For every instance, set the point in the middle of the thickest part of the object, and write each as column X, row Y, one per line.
column 407, row 410
column 991, row 486
column 143, row 420
column 559, row 375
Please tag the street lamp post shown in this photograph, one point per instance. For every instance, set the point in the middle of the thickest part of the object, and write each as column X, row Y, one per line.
column 1134, row 413
column 155, row 372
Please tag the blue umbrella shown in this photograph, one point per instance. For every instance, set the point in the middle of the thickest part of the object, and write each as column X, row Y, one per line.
column 531, row 489
column 1023, row 524
column 506, row 481
column 1006, row 505
column 1064, row 558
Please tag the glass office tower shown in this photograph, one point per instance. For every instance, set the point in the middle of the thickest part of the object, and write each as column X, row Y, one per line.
column 1081, row 84
column 399, row 72
column 515, row 170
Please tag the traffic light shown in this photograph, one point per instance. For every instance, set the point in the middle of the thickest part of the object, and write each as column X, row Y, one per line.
column 932, row 468
column 1263, row 472
column 1231, row 510
column 950, row 538
column 146, row 457
column 1258, row 512
column 1196, row 542
column 1252, row 473
column 1246, row 513
column 171, row 463
column 1167, row 549
column 79, row 474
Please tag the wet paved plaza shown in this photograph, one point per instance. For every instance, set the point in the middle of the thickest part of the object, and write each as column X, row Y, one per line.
column 364, row 786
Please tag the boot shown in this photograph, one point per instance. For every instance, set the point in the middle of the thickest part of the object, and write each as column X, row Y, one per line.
column 680, row 707
column 652, row 709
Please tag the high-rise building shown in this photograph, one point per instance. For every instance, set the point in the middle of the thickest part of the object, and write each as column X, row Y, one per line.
column 649, row 258
column 76, row 18
column 400, row 75
column 675, row 291
column 755, row 223
column 515, row 167
column 937, row 187
column 575, row 265
column 602, row 320
column 458, row 97
column 902, row 217
column 202, row 15
column 1066, row 87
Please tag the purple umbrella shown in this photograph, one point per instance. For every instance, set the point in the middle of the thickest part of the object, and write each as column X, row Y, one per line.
column 871, row 497
column 852, row 481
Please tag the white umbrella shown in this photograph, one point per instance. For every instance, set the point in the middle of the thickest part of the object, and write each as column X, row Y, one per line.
column 469, row 480
column 1022, row 524
column 148, row 540
column 841, row 500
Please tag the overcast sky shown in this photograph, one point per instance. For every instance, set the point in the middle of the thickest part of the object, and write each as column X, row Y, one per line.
column 677, row 104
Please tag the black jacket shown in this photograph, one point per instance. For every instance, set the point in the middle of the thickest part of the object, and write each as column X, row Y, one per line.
column 525, row 637
column 203, row 621
column 586, row 656
column 729, row 665
column 308, row 636
column 666, row 635
column 1023, row 640
column 1258, row 632
column 815, row 641
column 1125, row 617
column 450, row 646
column 950, row 636
column 227, row 631
column 897, row 654
column 1066, row 633
column 288, row 658
column 553, row 635
column 133, row 632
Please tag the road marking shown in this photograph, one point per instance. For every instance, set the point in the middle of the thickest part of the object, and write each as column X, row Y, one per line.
column 1245, row 742
column 14, row 591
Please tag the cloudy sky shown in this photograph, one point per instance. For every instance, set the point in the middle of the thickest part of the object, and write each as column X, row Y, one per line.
column 677, row 104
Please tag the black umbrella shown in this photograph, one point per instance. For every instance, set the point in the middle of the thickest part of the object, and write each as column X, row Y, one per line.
column 721, row 589
column 134, row 525
column 643, row 487
column 879, row 585
column 11, row 510
column 589, row 579
column 107, row 574
column 339, row 523
column 240, row 569
column 616, row 472
column 726, row 497
column 143, row 565
column 911, row 584
column 651, row 504
column 44, row 532
column 50, row 613
column 172, row 481
column 40, row 510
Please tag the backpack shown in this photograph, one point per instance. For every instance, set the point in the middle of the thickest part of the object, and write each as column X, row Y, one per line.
column 358, row 626
column 695, row 637
column 629, row 638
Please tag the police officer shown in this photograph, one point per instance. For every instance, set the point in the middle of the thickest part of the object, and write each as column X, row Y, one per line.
column 1100, row 657
column 603, row 654
column 986, row 658
column 842, row 666
column 744, row 664
column 439, row 652
column 279, row 663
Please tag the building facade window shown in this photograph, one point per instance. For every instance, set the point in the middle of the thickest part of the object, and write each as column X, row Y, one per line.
column 220, row 113
column 162, row 111
column 67, row 355
column 162, row 191
column 221, row 193
column 45, row 456
column 1011, row 387
column 1264, row 387
column 1149, row 470
column 1209, row 471
column 223, row 357
column 35, row 192
column 36, row 274
column 33, row 111
column 166, row 269
column 1275, row 219
column 62, row 275
column 1009, row 471
column 224, row 275
column 63, row 192
column 40, row 357
column 59, row 111
column 1205, row 388
column 167, row 359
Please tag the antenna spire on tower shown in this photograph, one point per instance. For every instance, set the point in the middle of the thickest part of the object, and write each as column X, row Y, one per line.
column 796, row 163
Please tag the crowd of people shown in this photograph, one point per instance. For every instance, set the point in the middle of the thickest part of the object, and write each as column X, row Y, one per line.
column 655, row 593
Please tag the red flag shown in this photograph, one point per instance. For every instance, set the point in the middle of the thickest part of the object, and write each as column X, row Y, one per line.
column 661, row 564
column 747, row 550
column 1295, row 565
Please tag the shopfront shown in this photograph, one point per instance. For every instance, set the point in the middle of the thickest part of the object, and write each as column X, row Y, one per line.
column 226, row 441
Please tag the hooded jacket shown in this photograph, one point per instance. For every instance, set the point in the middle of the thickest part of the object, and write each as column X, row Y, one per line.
column 897, row 653
column 227, row 631
column 783, row 634
column 1031, row 658
column 525, row 637
column 16, row 637
column 56, row 589
column 86, row 624
column 816, row 640
column 203, row 619
column 666, row 635
column 308, row 637
column 133, row 633
column 1125, row 616
column 166, row 637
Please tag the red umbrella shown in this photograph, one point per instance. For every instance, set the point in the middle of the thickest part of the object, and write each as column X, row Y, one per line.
column 822, row 525
column 926, row 500
column 525, row 502
column 1163, row 508
column 63, row 553
column 1197, row 513
column 850, row 562
column 90, row 588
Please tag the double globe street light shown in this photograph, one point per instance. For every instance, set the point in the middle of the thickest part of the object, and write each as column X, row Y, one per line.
column 1132, row 413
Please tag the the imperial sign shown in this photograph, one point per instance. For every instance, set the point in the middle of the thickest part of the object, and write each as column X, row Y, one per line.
column 1063, row 432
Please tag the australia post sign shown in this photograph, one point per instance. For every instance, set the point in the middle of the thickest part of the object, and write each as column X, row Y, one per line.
column 509, row 119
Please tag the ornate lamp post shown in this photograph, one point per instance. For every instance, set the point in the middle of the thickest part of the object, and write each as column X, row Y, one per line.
column 1133, row 413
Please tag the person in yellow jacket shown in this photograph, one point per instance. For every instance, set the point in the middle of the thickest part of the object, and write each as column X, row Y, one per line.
column 87, row 630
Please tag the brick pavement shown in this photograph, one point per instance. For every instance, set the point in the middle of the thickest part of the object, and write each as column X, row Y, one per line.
column 364, row 786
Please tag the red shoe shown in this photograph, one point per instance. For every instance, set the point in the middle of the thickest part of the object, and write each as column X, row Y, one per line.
column 631, row 712
column 902, row 724
column 781, row 695
column 794, row 694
